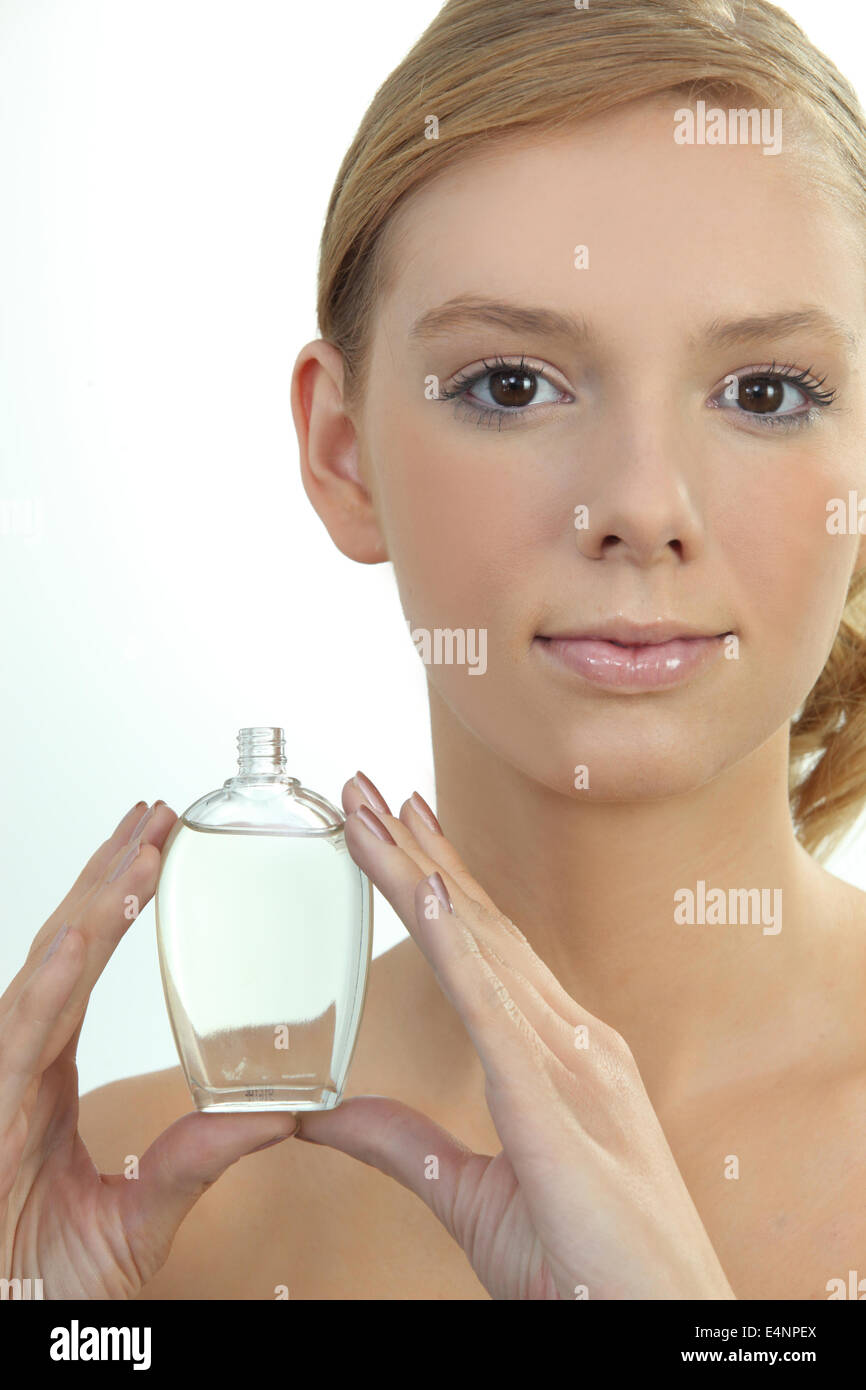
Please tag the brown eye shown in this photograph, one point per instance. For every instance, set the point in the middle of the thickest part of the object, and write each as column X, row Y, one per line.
column 512, row 386
column 760, row 394
column 504, row 393
column 781, row 397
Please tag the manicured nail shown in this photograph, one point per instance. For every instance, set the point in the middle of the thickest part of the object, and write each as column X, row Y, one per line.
column 143, row 822
column 373, row 823
column 372, row 793
column 125, row 861
column 417, row 802
column 128, row 813
column 437, row 883
column 58, row 937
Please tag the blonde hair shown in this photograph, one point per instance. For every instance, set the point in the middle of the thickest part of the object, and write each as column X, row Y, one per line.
column 488, row 68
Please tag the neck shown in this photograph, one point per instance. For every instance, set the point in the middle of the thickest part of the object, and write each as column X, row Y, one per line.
column 592, row 886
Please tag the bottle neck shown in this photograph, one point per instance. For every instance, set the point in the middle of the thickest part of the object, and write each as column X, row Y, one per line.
column 261, row 753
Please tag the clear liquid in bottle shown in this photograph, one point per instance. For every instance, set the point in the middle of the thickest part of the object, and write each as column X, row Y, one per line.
column 264, row 934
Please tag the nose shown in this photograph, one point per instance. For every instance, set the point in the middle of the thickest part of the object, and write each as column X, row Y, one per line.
column 642, row 480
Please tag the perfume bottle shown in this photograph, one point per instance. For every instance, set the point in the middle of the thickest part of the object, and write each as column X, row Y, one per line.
column 264, row 930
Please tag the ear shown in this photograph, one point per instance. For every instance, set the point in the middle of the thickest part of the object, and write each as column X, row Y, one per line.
column 330, row 454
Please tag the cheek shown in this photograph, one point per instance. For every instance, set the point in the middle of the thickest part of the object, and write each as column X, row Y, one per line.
column 457, row 531
column 790, row 573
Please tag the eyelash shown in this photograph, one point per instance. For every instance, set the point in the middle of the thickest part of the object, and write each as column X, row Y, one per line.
column 788, row 372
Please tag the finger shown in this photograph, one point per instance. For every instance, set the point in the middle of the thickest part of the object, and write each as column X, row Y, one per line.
column 534, row 1063
column 151, row 829
column 506, row 978
column 93, row 872
column 471, row 1194
column 178, row 1167
column 94, row 868
column 405, row 1145
column 104, row 915
column 27, row 1029
column 104, row 918
column 360, row 790
column 513, row 977
column 430, row 848
column 506, row 1042
column 497, row 930
column 531, row 981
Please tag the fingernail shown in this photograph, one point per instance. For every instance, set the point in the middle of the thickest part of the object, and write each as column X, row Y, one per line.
column 373, row 823
column 58, row 937
column 372, row 793
column 417, row 801
column 437, row 883
column 143, row 822
column 125, row 861
column 128, row 813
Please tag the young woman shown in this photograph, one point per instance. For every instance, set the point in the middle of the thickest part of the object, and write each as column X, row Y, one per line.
column 591, row 379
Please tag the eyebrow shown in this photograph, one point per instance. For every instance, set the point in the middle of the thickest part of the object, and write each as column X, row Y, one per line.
column 470, row 311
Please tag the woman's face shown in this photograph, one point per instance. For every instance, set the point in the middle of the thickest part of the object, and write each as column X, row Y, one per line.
column 707, row 516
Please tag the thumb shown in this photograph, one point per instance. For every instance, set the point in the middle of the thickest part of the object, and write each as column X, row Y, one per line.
column 403, row 1144
column 179, row 1166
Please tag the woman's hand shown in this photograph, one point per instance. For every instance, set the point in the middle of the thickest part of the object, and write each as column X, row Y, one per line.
column 86, row 1234
column 585, row 1199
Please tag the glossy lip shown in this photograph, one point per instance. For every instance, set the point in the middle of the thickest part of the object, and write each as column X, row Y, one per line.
column 622, row 655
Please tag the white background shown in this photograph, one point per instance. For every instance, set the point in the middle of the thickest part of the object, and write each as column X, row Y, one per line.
column 165, row 166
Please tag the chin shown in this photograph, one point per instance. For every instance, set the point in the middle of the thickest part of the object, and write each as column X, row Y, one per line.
column 626, row 770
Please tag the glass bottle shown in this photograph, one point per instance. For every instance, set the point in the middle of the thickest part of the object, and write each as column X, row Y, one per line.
column 264, row 931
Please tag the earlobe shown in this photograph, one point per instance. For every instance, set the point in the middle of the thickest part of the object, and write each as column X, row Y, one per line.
column 330, row 451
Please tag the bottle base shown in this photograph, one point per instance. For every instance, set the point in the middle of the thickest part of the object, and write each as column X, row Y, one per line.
column 232, row 1099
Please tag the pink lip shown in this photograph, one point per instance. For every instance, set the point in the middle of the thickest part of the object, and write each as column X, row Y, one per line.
column 640, row 665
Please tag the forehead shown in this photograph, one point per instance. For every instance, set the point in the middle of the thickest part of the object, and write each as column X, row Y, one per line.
column 663, row 223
